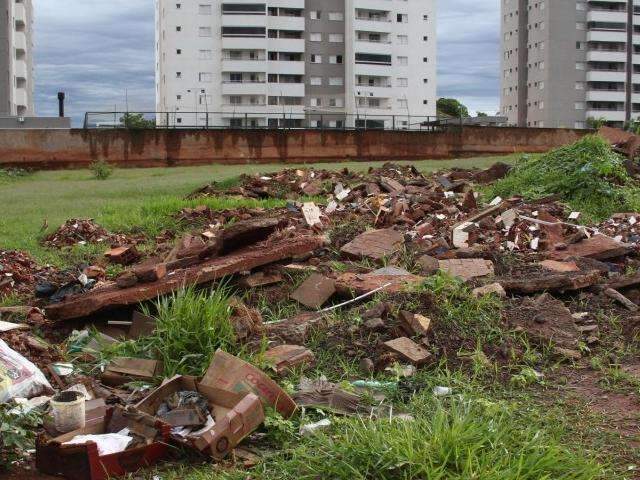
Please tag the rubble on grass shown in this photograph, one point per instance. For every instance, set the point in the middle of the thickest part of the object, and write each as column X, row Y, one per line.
column 78, row 231
column 407, row 236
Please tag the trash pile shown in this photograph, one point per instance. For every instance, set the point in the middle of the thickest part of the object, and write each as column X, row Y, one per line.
column 377, row 248
column 19, row 273
column 83, row 231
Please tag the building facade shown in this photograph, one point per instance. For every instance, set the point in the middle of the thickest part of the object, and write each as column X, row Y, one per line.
column 16, row 58
column 565, row 62
column 295, row 63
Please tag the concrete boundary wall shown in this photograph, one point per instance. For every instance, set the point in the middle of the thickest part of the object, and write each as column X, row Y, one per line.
column 58, row 149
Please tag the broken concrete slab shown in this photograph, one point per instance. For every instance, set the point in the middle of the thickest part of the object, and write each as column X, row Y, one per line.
column 428, row 264
column 375, row 244
column 467, row 268
column 408, row 350
column 81, row 305
column 352, row 284
column 288, row 357
column 315, row 291
column 599, row 247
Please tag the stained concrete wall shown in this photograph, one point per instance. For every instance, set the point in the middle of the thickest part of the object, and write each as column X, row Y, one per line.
column 57, row 149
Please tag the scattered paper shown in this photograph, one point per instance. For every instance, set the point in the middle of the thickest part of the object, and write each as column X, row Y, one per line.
column 574, row 216
column 311, row 214
column 496, row 201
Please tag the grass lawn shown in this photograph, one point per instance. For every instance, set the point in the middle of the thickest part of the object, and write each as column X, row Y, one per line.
column 132, row 198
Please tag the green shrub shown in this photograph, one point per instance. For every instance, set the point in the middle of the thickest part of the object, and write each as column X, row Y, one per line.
column 17, row 435
column 101, row 170
column 588, row 175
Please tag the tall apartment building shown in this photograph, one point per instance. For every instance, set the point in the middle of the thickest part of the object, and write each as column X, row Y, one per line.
column 566, row 61
column 295, row 63
column 16, row 60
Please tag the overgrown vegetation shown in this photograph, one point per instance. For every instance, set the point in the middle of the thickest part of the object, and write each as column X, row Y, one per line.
column 190, row 326
column 588, row 175
column 101, row 170
column 17, row 434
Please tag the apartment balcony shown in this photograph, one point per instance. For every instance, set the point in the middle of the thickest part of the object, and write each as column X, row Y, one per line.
column 606, row 36
column 20, row 41
column 244, row 20
column 286, row 89
column 20, row 14
column 244, row 108
column 286, row 23
column 287, row 3
column 286, row 68
column 606, row 56
column 20, row 69
column 21, row 97
column 606, row 76
column 244, row 43
column 366, row 46
column 380, row 5
column 286, row 45
column 367, row 91
column 242, row 66
column 244, row 88
column 609, row 115
column 607, row 16
column 382, row 25
column 606, row 96
column 369, row 70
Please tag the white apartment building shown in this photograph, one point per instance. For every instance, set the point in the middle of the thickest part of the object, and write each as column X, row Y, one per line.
column 295, row 63
column 16, row 58
column 567, row 61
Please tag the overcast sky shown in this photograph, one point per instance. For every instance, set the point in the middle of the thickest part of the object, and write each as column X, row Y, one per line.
column 94, row 50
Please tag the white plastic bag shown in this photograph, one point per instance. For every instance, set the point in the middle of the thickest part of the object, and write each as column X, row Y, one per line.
column 19, row 377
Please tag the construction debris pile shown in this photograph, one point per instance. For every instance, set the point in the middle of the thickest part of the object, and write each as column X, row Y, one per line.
column 372, row 246
column 83, row 231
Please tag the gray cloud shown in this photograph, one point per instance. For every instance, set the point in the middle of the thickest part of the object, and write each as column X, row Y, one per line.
column 95, row 50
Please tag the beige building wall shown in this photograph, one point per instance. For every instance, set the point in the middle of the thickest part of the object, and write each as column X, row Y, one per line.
column 16, row 58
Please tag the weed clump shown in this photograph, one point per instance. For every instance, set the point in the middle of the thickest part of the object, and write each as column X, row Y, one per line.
column 190, row 326
column 101, row 170
column 588, row 175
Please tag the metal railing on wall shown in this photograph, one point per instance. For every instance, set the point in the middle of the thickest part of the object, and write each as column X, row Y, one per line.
column 261, row 120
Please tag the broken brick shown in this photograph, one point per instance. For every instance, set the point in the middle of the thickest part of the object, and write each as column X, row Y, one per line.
column 376, row 244
column 561, row 267
column 409, row 350
column 288, row 357
column 414, row 324
column 349, row 284
column 315, row 291
column 599, row 247
column 260, row 279
column 467, row 268
column 494, row 288
column 123, row 255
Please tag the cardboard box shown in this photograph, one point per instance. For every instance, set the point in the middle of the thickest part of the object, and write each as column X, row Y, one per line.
column 83, row 462
column 236, row 415
column 229, row 373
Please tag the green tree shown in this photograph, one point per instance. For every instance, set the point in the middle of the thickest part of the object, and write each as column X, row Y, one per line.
column 481, row 114
column 452, row 108
column 596, row 123
column 136, row 121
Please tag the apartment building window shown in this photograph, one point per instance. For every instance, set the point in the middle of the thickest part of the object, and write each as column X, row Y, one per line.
column 579, row 85
column 403, row 82
column 178, row 6
column 178, row 74
column 179, row 51
column 205, row 9
column 314, row 15
column 403, row 103
column 336, row 16
column 204, row 31
column 205, row 54
column 316, row 58
column 403, row 18
column 315, row 102
column 205, row 77
column 580, row 66
column 403, row 61
column 178, row 28
column 315, row 37
column 336, row 102
column 235, row 100
column 316, row 81
column 336, row 38
column 244, row 9
column 403, row 39
column 336, row 81
column 336, row 59
column 579, row 105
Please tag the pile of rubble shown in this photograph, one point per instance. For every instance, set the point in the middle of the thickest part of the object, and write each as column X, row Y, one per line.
column 84, row 231
column 388, row 231
column 19, row 273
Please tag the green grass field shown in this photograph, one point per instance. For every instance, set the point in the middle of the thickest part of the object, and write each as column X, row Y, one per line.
column 131, row 198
